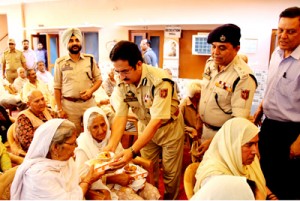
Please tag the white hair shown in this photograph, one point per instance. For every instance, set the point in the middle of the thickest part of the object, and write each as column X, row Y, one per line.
column 194, row 86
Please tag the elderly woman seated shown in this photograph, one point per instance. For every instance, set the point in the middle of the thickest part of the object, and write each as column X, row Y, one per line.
column 91, row 142
column 49, row 171
column 233, row 151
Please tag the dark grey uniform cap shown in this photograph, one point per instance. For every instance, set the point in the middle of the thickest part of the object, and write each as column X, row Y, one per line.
column 227, row 33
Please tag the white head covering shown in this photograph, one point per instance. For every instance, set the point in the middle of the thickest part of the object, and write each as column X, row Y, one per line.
column 193, row 87
column 68, row 33
column 37, row 173
column 225, row 187
column 88, row 147
column 85, row 141
column 224, row 155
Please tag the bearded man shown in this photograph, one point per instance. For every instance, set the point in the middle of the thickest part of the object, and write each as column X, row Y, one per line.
column 76, row 77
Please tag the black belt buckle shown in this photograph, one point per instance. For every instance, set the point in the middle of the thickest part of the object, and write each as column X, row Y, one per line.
column 214, row 128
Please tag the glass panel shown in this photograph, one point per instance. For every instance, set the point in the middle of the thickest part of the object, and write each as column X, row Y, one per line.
column 155, row 45
column 91, row 44
column 53, row 49
column 137, row 41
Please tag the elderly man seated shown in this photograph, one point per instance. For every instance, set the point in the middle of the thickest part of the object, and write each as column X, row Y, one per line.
column 21, row 80
column 10, row 101
column 29, row 120
column 35, row 84
column 45, row 76
column 190, row 111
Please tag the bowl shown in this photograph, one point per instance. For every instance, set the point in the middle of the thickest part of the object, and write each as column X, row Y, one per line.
column 130, row 168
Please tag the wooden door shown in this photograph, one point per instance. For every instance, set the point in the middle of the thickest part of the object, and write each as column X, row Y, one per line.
column 274, row 42
column 155, row 36
column 53, row 50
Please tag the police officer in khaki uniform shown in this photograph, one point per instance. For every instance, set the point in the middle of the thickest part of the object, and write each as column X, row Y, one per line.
column 76, row 77
column 12, row 59
column 149, row 92
column 229, row 84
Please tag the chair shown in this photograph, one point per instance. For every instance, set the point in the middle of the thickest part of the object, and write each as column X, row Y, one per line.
column 6, row 181
column 147, row 165
column 129, row 137
column 15, row 147
column 189, row 179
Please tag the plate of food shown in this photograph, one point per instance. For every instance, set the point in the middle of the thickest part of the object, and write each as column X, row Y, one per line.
column 130, row 168
column 102, row 160
column 105, row 156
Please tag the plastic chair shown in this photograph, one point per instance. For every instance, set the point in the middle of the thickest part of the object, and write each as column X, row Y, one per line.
column 6, row 181
column 189, row 179
column 15, row 147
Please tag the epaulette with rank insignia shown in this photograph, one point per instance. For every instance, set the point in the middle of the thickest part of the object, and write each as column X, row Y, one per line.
column 88, row 55
column 60, row 59
column 242, row 75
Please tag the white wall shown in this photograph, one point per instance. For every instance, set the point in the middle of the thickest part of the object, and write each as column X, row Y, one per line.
column 256, row 18
column 14, row 22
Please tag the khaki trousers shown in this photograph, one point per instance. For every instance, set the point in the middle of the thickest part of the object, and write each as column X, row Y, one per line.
column 172, row 154
column 75, row 111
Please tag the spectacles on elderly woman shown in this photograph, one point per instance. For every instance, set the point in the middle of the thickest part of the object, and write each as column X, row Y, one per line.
column 71, row 144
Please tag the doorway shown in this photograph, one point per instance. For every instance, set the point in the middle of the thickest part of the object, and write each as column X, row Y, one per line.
column 51, row 45
column 157, row 41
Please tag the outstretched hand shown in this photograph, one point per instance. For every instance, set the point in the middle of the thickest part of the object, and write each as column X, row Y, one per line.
column 93, row 175
column 121, row 159
column 203, row 147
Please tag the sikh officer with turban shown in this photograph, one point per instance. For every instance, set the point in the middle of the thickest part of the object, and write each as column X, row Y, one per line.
column 228, row 83
column 76, row 77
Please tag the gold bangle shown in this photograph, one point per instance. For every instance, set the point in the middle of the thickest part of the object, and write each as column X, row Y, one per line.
column 87, row 183
column 104, row 179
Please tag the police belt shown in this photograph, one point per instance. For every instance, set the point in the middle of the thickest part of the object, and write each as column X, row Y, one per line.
column 171, row 119
column 214, row 128
column 167, row 122
column 78, row 100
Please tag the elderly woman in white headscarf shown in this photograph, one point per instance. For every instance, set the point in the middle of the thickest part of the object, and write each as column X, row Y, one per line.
column 48, row 171
column 225, row 187
column 233, row 151
column 91, row 142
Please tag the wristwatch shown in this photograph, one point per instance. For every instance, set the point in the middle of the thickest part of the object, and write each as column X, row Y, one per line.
column 134, row 154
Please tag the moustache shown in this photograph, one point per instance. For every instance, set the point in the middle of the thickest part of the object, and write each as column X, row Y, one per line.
column 126, row 79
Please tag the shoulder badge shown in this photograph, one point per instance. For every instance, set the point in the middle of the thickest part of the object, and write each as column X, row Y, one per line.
column 245, row 94
column 163, row 93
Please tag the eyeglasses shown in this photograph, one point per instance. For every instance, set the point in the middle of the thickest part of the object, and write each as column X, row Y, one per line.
column 11, row 44
column 71, row 144
column 123, row 72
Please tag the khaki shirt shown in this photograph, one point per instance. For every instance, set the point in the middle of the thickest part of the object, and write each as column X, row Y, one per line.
column 13, row 59
column 73, row 77
column 145, row 106
column 236, row 103
column 191, row 116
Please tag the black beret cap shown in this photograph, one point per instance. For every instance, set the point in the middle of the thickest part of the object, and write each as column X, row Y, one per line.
column 227, row 33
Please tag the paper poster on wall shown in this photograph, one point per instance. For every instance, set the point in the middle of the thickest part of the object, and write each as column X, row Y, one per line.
column 171, row 48
column 248, row 45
